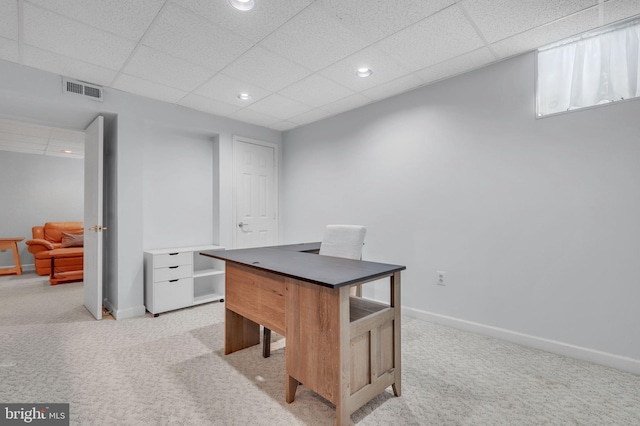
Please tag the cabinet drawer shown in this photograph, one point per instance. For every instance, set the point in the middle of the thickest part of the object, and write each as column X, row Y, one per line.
column 172, row 273
column 169, row 295
column 171, row 259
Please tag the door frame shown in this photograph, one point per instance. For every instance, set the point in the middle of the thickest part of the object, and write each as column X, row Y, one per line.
column 276, row 183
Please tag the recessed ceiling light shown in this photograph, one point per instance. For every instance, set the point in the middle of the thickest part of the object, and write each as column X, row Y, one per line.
column 364, row 72
column 242, row 4
column 244, row 96
column 68, row 151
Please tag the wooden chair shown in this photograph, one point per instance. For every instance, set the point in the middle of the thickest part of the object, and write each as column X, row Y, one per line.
column 344, row 241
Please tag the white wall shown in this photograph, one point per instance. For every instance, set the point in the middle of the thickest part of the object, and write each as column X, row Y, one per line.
column 178, row 191
column 35, row 189
column 536, row 222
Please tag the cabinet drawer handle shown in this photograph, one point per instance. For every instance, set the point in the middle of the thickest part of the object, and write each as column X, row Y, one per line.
column 173, row 281
column 173, row 267
column 173, row 254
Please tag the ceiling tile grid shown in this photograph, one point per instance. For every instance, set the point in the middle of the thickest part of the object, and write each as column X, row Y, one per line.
column 49, row 31
column 208, row 105
column 69, row 67
column 185, row 35
column 125, row 18
column 314, row 39
column 255, row 25
column 499, row 19
column 437, row 38
column 548, row 33
column 35, row 139
column 226, row 89
column 385, row 68
column 316, row 90
column 295, row 58
column 279, row 106
column 159, row 67
column 265, row 69
column 377, row 19
column 149, row 89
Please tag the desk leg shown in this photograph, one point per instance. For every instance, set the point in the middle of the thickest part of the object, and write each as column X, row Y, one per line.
column 16, row 259
column 395, row 302
column 290, row 389
column 239, row 332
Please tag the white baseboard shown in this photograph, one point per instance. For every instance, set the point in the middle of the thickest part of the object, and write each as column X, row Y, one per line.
column 136, row 311
column 603, row 358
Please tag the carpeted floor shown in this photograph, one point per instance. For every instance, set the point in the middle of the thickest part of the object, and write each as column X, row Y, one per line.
column 171, row 370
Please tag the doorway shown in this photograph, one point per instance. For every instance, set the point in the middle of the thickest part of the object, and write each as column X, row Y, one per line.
column 47, row 173
column 255, row 193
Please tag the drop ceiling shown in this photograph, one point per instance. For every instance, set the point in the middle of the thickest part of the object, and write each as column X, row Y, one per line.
column 296, row 58
column 43, row 140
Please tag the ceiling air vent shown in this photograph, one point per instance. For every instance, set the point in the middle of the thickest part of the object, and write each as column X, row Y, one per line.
column 81, row 88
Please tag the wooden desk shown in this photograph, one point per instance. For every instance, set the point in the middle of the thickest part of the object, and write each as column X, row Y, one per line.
column 344, row 348
column 11, row 244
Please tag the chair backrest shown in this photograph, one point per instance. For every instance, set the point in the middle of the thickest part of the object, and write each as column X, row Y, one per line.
column 343, row 241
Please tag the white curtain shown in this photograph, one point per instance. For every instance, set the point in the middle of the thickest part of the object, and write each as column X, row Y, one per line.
column 588, row 72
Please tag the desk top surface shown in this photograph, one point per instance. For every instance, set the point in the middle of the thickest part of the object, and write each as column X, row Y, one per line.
column 294, row 261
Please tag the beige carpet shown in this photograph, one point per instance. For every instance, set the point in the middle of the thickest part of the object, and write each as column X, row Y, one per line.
column 171, row 370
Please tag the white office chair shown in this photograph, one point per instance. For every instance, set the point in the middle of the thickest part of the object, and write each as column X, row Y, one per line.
column 344, row 241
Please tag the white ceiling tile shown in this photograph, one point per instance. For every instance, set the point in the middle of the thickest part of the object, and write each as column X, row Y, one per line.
column 64, row 36
column 9, row 50
column 71, row 137
column 185, row 35
column 15, row 128
column 226, row 89
column 249, row 116
column 547, row 34
column 58, row 153
column 68, row 67
column 265, row 69
column 376, row 19
column 442, row 36
column 310, row 116
column 394, row 87
column 208, row 105
column 620, row 9
column 316, row 90
column 149, row 89
column 23, row 142
column 262, row 20
column 9, row 19
column 314, row 39
column 126, row 18
column 499, row 19
column 384, row 67
column 282, row 126
column 455, row 66
column 346, row 104
column 152, row 65
column 22, row 149
column 279, row 107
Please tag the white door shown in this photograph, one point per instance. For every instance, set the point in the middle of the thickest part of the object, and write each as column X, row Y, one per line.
column 93, row 217
column 255, row 195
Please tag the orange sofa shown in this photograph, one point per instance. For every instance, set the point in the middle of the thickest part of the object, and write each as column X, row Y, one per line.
column 62, row 242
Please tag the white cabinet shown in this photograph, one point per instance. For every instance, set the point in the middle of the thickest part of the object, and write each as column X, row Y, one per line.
column 175, row 278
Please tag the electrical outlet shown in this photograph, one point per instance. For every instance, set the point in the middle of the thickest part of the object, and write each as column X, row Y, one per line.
column 440, row 278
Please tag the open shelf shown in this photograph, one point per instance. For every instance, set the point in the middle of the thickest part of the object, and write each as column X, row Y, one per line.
column 360, row 308
column 207, row 272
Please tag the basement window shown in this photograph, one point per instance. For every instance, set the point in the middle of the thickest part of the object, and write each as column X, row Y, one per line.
column 589, row 71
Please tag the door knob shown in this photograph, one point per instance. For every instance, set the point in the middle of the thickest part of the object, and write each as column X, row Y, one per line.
column 240, row 225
